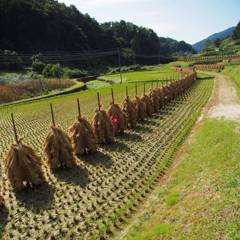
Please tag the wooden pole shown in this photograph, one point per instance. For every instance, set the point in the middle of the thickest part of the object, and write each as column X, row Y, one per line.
column 14, row 129
column 78, row 107
column 144, row 88
column 120, row 65
column 112, row 95
column 98, row 99
column 126, row 91
column 52, row 115
column 136, row 89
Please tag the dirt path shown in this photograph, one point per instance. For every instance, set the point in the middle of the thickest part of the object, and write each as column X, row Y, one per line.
column 225, row 103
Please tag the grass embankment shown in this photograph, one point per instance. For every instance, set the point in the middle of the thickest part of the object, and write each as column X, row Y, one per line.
column 202, row 198
column 233, row 72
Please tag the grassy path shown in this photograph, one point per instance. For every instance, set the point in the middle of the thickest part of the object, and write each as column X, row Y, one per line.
column 97, row 197
column 199, row 198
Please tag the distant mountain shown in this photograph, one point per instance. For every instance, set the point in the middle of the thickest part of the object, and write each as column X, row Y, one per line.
column 169, row 47
column 220, row 35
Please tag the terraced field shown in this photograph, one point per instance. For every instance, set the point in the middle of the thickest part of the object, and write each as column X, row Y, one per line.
column 157, row 73
column 98, row 195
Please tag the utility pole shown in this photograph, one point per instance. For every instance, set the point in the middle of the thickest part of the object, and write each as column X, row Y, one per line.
column 119, row 65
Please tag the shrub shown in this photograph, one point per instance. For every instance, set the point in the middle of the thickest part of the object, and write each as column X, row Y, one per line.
column 38, row 66
column 57, row 71
column 53, row 70
column 75, row 73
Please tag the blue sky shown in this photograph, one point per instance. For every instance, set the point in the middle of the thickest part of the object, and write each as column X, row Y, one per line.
column 188, row 20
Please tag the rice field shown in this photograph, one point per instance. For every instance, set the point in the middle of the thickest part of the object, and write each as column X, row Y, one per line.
column 147, row 75
column 95, row 198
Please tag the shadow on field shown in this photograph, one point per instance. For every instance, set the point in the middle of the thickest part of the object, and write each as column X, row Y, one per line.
column 98, row 159
column 117, row 147
column 3, row 219
column 150, row 121
column 205, row 78
column 130, row 136
column 76, row 175
column 143, row 129
column 37, row 199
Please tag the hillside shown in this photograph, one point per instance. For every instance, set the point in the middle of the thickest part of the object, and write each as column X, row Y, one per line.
column 220, row 35
column 173, row 47
column 225, row 47
column 56, row 27
column 229, row 46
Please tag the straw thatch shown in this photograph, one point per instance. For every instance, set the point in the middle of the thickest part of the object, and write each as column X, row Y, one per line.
column 102, row 127
column 154, row 95
column 130, row 112
column 58, row 149
column 149, row 105
column 82, row 137
column 141, row 108
column 117, row 118
column 24, row 167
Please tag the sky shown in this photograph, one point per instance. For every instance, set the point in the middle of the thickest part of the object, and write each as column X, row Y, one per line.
column 188, row 20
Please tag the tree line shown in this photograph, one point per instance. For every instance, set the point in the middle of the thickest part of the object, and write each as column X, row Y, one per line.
column 47, row 25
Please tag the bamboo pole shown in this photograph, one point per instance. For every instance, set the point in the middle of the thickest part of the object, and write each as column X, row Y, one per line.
column 112, row 93
column 78, row 107
column 14, row 129
column 52, row 115
column 98, row 99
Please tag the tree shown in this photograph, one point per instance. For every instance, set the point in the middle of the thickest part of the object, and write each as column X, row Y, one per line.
column 53, row 70
column 47, row 25
column 128, row 56
column 38, row 63
column 236, row 33
column 217, row 42
column 208, row 46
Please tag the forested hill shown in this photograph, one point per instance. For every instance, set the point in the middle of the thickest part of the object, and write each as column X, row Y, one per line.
column 46, row 25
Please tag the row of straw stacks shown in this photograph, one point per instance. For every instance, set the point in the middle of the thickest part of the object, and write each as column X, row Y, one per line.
column 24, row 166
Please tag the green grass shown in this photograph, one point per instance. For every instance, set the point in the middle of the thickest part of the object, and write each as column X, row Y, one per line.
column 88, row 100
column 208, row 180
column 154, row 73
column 233, row 71
column 172, row 199
column 95, row 84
